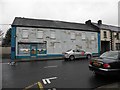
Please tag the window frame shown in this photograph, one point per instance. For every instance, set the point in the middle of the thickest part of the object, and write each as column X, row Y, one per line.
column 52, row 34
column 40, row 32
column 83, row 36
column 72, row 36
column 23, row 34
column 105, row 34
column 117, row 36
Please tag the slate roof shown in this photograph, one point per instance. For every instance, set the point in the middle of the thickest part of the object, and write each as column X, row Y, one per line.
column 108, row 27
column 41, row 23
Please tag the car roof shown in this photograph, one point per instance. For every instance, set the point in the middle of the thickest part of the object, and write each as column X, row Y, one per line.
column 114, row 51
column 79, row 49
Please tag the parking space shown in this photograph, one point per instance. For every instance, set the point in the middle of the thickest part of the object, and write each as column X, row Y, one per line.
column 52, row 74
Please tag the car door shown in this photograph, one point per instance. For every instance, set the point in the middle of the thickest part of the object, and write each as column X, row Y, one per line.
column 76, row 53
column 82, row 54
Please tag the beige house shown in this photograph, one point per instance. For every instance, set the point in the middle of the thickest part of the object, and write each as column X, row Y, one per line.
column 110, row 36
column 116, row 40
column 105, row 40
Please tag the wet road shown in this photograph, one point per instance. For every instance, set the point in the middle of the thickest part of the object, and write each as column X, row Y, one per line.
column 64, row 74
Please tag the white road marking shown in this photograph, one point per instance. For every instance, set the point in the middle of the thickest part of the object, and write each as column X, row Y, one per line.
column 44, row 81
column 50, row 66
column 5, row 63
column 47, row 80
column 54, row 88
column 52, row 78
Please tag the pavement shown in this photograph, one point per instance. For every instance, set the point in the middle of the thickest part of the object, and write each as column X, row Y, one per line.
column 3, row 60
column 113, row 86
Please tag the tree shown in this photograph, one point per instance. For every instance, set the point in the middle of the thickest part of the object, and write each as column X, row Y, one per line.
column 7, row 39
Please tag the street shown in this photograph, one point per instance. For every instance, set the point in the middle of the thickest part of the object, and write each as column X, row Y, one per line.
column 52, row 74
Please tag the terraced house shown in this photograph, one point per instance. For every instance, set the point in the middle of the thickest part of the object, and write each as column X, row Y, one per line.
column 110, row 36
column 38, row 38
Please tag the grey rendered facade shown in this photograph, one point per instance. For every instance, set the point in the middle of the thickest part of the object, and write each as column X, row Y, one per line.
column 41, row 39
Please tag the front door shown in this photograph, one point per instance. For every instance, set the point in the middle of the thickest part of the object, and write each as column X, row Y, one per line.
column 33, row 50
column 105, row 46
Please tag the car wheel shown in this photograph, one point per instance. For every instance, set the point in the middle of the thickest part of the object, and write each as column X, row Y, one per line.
column 66, row 59
column 88, row 56
column 72, row 57
column 97, row 74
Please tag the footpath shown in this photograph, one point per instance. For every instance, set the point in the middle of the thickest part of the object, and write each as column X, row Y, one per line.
column 113, row 86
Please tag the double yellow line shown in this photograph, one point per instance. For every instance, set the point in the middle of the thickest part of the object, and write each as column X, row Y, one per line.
column 40, row 86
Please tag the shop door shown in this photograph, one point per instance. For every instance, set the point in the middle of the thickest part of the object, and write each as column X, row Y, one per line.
column 33, row 50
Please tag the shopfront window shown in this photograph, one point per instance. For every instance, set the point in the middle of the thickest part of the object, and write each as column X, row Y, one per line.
column 41, row 49
column 23, row 49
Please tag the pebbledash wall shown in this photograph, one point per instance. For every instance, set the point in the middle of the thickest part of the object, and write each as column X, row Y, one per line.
column 37, row 42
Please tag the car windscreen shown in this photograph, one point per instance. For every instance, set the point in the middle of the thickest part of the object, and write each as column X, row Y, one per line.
column 110, row 55
column 68, row 50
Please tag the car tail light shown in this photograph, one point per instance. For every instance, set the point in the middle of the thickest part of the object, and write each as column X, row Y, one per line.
column 90, row 62
column 106, row 66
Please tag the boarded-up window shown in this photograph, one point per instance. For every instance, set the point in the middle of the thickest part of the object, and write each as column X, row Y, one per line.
column 25, row 33
column 92, row 36
column 72, row 35
column 39, row 34
column 83, row 36
column 53, row 34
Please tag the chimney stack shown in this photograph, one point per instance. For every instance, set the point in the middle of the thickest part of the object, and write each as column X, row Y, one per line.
column 88, row 22
column 99, row 22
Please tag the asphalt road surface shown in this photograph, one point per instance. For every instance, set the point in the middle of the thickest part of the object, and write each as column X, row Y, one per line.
column 52, row 74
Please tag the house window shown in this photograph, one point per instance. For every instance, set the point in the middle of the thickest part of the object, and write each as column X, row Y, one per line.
column 105, row 34
column 83, row 36
column 72, row 35
column 117, row 36
column 25, row 33
column 117, row 46
column 53, row 34
column 39, row 34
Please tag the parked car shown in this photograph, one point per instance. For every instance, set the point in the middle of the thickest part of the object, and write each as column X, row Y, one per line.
column 72, row 54
column 107, row 64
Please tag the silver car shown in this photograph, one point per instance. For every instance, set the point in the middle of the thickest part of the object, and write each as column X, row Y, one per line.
column 76, row 53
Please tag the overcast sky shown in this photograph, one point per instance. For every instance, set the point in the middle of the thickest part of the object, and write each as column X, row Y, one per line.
column 64, row 10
